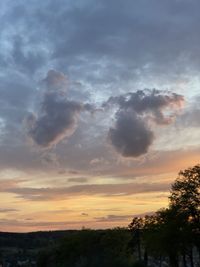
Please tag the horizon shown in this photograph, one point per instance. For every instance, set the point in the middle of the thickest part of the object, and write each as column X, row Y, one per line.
column 99, row 109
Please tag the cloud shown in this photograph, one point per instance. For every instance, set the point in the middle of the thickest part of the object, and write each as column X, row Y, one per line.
column 84, row 214
column 113, row 218
column 16, row 94
column 190, row 118
column 132, row 133
column 58, row 120
column 150, row 101
column 135, row 39
column 50, row 159
column 56, row 80
column 8, row 210
column 107, row 190
column 78, row 180
column 58, row 116
column 24, row 59
column 130, row 136
column 9, row 184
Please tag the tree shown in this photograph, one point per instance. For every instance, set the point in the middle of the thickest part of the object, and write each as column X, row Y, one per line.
column 136, row 227
column 185, row 192
column 172, row 232
column 185, row 197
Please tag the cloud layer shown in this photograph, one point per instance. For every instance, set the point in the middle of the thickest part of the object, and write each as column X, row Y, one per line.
column 77, row 71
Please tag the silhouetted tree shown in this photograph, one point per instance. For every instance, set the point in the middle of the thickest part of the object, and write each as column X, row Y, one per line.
column 185, row 196
column 173, row 232
column 136, row 227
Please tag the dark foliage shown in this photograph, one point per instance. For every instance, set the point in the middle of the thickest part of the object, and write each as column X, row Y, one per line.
column 172, row 234
column 89, row 248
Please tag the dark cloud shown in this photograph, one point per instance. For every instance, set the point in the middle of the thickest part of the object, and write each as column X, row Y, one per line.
column 57, row 121
column 58, row 116
column 132, row 134
column 151, row 102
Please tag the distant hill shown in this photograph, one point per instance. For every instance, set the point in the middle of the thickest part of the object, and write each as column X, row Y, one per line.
column 31, row 240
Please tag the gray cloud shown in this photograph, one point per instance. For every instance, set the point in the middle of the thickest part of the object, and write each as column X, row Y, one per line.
column 157, row 37
column 16, row 95
column 132, row 134
column 148, row 101
column 24, row 59
column 15, row 92
column 57, row 121
column 58, row 116
column 55, row 80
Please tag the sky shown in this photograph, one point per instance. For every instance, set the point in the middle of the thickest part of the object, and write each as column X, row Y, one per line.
column 99, row 109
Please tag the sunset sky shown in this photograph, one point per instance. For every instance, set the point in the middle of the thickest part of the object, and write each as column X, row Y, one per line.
column 99, row 109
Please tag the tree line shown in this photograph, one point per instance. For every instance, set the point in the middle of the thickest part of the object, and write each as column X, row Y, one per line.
column 170, row 237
